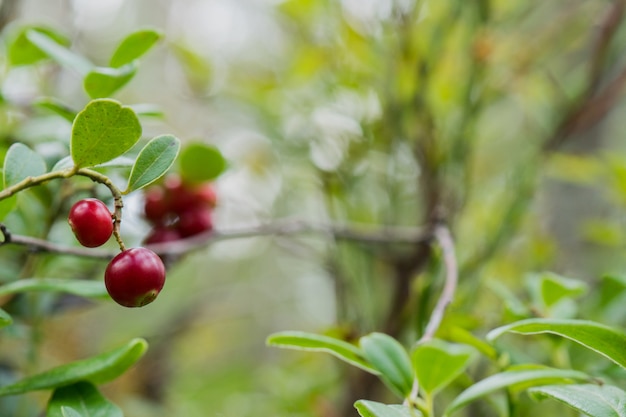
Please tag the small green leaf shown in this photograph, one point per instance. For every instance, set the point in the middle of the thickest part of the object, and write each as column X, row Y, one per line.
column 200, row 162
column 511, row 379
column 438, row 363
column 318, row 343
column 60, row 53
column 63, row 163
column 22, row 51
column 103, row 130
column 5, row 318
column 389, row 358
column 593, row 400
column 375, row 409
column 134, row 46
column 555, row 287
column 58, row 107
column 103, row 82
column 21, row 162
column 81, row 396
column 605, row 340
column 97, row 370
column 82, row 288
column 153, row 161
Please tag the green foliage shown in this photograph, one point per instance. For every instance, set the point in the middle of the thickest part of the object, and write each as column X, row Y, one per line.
column 154, row 160
column 592, row 400
column 103, row 82
column 103, row 130
column 21, row 51
column 20, row 163
column 200, row 162
column 375, row 409
column 605, row 340
column 83, row 399
column 438, row 363
column 134, row 46
column 82, row 288
column 389, row 358
column 514, row 379
column 97, row 370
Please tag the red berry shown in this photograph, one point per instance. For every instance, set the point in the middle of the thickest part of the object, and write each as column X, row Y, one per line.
column 205, row 194
column 135, row 277
column 195, row 221
column 91, row 221
column 161, row 234
column 181, row 197
column 156, row 207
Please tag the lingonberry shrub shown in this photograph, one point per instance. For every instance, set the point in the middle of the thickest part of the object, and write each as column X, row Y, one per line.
column 91, row 222
column 135, row 277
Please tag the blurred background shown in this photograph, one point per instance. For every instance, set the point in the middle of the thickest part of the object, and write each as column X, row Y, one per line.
column 504, row 117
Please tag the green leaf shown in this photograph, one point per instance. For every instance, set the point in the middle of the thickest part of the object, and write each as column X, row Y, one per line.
column 134, row 46
column 375, row 409
column 593, row 400
column 63, row 163
column 200, row 162
column 345, row 351
column 97, row 370
column 605, row 340
column 60, row 53
column 58, row 107
column 21, row 162
column 389, row 358
column 82, row 288
column 103, row 81
column 554, row 288
column 81, row 396
column 438, row 363
column 514, row 379
column 5, row 318
column 103, row 130
column 21, row 51
column 153, row 161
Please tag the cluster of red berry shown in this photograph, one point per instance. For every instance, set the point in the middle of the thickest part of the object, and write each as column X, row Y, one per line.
column 135, row 276
column 178, row 210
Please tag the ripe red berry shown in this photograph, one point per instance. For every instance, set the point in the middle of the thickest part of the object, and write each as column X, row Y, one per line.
column 181, row 197
column 162, row 234
column 135, row 277
column 194, row 221
column 91, row 222
column 156, row 207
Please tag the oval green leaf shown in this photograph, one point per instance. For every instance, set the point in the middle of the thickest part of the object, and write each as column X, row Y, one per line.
column 438, row 363
column 21, row 51
column 134, row 46
column 592, row 400
column 605, row 340
column 375, row 409
column 389, row 358
column 511, row 379
column 103, row 82
column 81, row 396
column 153, row 161
column 103, row 130
column 345, row 351
column 97, row 370
column 82, row 288
column 60, row 53
column 200, row 162
column 21, row 162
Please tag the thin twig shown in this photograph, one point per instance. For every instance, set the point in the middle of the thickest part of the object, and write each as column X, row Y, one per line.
column 358, row 233
column 444, row 239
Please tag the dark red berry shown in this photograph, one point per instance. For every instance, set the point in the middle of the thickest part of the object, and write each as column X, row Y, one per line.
column 181, row 197
column 91, row 222
column 195, row 221
column 135, row 277
column 156, row 207
column 162, row 234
